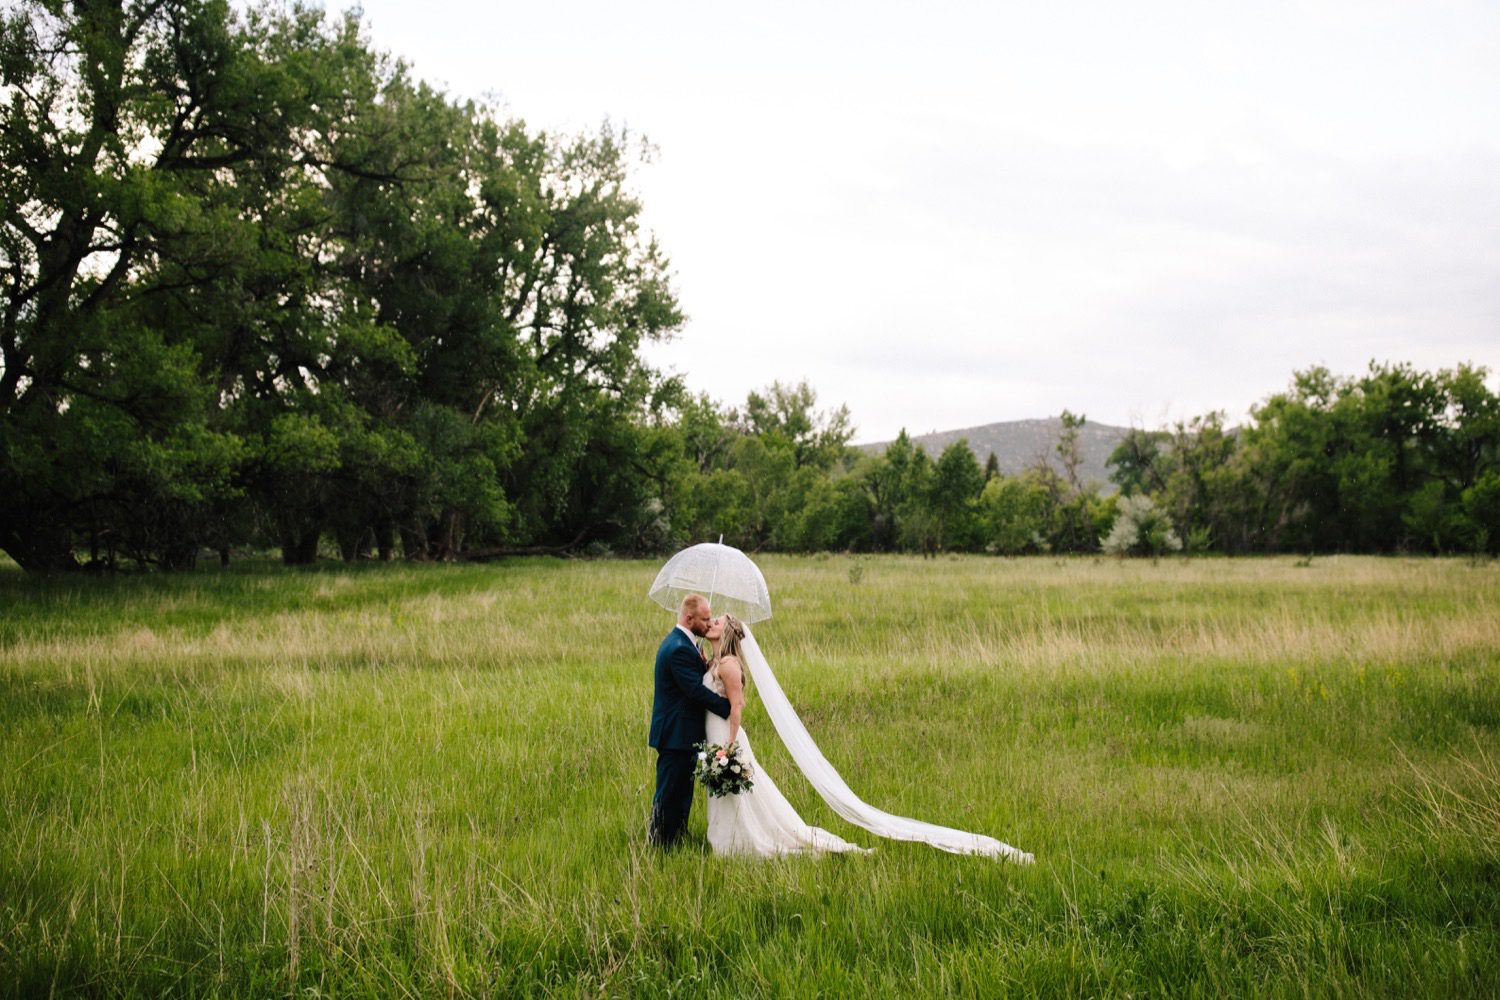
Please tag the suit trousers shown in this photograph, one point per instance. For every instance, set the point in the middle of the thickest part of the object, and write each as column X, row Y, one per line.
column 674, row 796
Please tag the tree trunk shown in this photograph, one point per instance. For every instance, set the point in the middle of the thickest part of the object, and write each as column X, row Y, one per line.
column 414, row 544
column 453, row 535
column 179, row 556
column 502, row 552
column 353, row 543
column 301, row 548
column 385, row 540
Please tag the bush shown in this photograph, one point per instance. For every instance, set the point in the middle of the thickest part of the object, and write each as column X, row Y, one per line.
column 1141, row 528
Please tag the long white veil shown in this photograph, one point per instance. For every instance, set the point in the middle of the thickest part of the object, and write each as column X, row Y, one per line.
column 837, row 794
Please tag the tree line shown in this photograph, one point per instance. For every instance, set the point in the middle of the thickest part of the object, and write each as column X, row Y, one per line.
column 1394, row 460
column 264, row 290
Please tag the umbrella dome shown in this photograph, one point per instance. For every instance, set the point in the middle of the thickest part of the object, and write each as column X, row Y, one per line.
column 722, row 573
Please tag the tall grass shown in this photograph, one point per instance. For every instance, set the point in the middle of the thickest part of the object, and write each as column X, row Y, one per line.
column 1238, row 777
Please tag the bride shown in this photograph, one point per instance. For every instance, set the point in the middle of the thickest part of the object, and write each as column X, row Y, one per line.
column 761, row 821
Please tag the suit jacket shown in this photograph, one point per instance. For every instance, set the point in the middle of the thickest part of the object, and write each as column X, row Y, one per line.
column 681, row 696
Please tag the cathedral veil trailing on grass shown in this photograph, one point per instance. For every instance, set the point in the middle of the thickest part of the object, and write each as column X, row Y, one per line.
column 729, row 577
column 822, row 776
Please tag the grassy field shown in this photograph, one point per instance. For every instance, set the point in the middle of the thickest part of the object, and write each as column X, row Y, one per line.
column 1238, row 777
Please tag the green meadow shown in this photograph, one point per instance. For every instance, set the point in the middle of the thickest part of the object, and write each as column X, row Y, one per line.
column 1270, row 777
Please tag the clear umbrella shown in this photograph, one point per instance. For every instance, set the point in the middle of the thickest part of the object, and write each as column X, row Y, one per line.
column 722, row 573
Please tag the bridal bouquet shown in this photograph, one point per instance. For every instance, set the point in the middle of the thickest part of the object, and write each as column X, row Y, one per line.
column 723, row 770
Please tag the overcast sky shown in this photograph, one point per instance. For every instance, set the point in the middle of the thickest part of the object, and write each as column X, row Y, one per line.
column 949, row 214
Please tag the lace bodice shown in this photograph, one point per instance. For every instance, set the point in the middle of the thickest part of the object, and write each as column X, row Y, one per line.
column 712, row 681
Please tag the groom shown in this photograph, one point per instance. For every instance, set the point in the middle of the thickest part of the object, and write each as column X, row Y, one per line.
column 677, row 720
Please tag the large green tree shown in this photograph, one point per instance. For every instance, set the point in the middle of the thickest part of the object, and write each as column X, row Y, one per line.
column 259, row 284
column 953, row 496
column 165, row 185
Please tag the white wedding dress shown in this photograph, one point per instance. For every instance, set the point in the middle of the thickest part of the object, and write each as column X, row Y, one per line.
column 759, row 822
column 762, row 822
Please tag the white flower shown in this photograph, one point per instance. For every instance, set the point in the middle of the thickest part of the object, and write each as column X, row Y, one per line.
column 735, row 769
column 702, row 755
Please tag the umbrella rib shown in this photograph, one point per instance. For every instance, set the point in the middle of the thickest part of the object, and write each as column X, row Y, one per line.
column 714, row 583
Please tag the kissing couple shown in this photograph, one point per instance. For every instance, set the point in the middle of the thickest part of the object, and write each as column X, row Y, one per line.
column 700, row 698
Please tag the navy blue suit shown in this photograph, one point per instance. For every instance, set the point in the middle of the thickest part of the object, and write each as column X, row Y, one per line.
column 676, row 724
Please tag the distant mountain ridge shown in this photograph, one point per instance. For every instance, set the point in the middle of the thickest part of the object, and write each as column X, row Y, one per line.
column 1023, row 444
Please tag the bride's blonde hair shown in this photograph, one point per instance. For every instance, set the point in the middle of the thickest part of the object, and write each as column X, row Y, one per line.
column 729, row 642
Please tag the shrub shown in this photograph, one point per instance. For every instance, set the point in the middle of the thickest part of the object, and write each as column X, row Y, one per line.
column 1141, row 528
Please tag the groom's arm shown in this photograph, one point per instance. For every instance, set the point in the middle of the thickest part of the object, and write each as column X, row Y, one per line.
column 687, row 672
